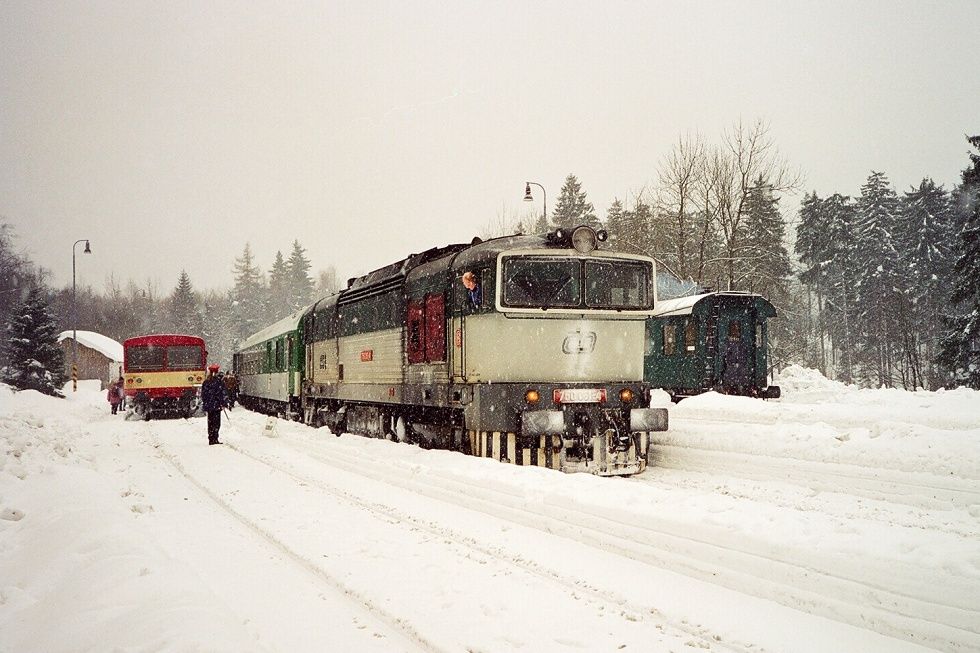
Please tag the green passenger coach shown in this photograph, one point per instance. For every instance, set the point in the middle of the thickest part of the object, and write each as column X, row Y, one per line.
column 713, row 341
column 270, row 365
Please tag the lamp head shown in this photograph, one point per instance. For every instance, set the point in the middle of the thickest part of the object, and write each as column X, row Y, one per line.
column 88, row 250
column 527, row 193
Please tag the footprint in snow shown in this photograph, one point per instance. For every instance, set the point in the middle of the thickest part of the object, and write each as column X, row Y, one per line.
column 12, row 514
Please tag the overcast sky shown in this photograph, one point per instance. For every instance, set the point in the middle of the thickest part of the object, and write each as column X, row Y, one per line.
column 172, row 133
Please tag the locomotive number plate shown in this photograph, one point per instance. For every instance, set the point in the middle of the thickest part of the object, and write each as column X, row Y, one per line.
column 580, row 395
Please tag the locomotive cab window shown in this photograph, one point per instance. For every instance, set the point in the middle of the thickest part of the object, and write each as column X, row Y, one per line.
column 471, row 291
column 616, row 284
column 609, row 284
column 541, row 282
column 144, row 359
column 184, row 357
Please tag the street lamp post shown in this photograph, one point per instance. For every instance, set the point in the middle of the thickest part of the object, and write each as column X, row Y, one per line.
column 529, row 198
column 74, row 316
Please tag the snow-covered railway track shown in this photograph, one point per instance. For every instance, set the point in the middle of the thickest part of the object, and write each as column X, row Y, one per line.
column 845, row 590
column 568, row 584
column 412, row 638
column 916, row 489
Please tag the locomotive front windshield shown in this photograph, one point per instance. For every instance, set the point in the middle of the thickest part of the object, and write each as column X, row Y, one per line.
column 144, row 359
column 184, row 357
column 541, row 282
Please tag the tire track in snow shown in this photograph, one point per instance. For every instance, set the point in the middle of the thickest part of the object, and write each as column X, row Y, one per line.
column 393, row 622
column 851, row 600
column 625, row 606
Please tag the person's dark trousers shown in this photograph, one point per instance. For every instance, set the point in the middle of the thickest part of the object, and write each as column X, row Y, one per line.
column 214, row 425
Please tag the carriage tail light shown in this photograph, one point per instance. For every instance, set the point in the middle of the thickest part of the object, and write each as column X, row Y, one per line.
column 532, row 396
column 626, row 395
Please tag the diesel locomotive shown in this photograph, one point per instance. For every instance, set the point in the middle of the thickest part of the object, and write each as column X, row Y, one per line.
column 528, row 349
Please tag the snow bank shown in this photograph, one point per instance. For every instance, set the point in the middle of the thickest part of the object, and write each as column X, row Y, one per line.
column 822, row 420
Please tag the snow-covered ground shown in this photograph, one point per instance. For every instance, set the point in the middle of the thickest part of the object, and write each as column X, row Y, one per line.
column 834, row 519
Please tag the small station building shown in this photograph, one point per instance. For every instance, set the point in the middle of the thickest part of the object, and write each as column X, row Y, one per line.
column 99, row 357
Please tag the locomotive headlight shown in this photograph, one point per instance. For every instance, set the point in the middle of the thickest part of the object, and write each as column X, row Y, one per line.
column 584, row 239
column 626, row 395
column 532, row 396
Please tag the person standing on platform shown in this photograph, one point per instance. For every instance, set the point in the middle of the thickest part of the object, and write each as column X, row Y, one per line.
column 213, row 399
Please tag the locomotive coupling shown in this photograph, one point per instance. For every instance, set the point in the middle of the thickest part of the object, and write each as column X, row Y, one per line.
column 648, row 419
column 542, row 422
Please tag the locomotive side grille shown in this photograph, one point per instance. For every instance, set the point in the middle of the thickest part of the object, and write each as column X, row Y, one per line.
column 352, row 296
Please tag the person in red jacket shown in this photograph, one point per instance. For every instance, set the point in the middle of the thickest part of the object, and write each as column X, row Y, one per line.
column 115, row 395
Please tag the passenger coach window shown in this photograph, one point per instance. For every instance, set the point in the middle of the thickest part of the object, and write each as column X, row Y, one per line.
column 690, row 336
column 670, row 339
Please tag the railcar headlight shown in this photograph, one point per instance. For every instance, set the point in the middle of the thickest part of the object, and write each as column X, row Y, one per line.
column 626, row 395
column 532, row 396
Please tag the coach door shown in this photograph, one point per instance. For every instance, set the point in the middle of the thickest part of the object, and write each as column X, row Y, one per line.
column 736, row 323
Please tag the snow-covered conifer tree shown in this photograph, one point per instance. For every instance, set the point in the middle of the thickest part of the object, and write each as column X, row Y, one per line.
column 278, row 304
column 880, row 293
column 247, row 296
column 961, row 345
column 35, row 362
column 573, row 207
column 183, row 310
column 926, row 239
column 300, row 283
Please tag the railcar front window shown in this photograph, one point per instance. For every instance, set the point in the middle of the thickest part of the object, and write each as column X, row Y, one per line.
column 542, row 283
column 184, row 357
column 615, row 284
column 144, row 359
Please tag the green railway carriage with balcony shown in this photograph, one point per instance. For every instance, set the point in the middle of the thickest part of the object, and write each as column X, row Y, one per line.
column 270, row 365
column 540, row 362
column 710, row 341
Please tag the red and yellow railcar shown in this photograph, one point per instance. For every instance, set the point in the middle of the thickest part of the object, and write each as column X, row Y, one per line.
column 163, row 373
